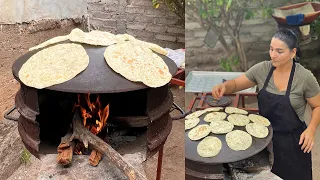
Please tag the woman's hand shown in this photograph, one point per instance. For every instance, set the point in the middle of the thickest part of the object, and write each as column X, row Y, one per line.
column 218, row 91
column 307, row 138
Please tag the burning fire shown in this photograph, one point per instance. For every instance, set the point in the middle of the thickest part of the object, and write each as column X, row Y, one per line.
column 94, row 115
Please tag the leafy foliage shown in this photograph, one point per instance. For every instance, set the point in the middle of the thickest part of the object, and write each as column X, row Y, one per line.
column 176, row 6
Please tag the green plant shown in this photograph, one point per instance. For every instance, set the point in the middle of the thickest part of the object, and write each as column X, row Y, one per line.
column 225, row 17
column 25, row 156
column 228, row 63
column 176, row 6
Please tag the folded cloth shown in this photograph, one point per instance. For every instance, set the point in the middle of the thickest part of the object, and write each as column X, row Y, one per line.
column 295, row 19
column 178, row 56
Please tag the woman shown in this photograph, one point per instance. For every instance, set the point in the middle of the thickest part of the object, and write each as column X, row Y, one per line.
column 286, row 89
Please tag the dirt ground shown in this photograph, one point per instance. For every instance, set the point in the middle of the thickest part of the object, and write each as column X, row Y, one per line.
column 17, row 39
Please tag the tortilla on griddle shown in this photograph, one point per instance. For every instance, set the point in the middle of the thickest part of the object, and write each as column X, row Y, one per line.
column 231, row 110
column 257, row 130
column 191, row 123
column 221, row 127
column 138, row 64
column 238, row 119
column 259, row 119
column 54, row 65
column 195, row 114
column 209, row 147
column 213, row 109
column 238, row 140
column 215, row 116
column 199, row 132
column 95, row 37
column 50, row 42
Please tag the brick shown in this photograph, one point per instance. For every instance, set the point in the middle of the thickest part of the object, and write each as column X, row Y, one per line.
column 136, row 26
column 108, row 29
column 130, row 17
column 147, row 3
column 156, row 28
column 135, row 10
column 181, row 39
column 168, row 21
column 165, row 37
column 100, row 15
column 111, row 8
column 115, row 2
column 176, row 30
column 144, row 19
column 140, row 34
column 156, row 13
column 95, row 7
column 102, row 22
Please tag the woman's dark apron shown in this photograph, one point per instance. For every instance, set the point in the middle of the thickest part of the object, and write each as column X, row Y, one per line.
column 290, row 162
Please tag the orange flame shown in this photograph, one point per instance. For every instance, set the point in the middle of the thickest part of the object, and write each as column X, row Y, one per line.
column 95, row 118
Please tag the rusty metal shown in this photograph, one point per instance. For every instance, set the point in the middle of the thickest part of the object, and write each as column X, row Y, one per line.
column 154, row 102
column 159, row 165
column 98, row 77
column 198, row 102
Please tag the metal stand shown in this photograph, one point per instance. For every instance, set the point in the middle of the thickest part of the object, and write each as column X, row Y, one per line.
column 7, row 114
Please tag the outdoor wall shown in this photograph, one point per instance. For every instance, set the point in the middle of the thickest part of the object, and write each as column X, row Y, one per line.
column 255, row 35
column 137, row 18
column 18, row 11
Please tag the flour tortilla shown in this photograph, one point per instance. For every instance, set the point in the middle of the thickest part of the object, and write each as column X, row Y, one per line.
column 259, row 120
column 195, row 114
column 257, row 130
column 191, row 123
column 238, row 140
column 231, row 110
column 99, row 38
column 50, row 42
column 54, row 65
column 221, row 127
column 138, row 64
column 213, row 109
column 215, row 116
column 238, row 119
column 199, row 132
column 120, row 38
column 209, row 147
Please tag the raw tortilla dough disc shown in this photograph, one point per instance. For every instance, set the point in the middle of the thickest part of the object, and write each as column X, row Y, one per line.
column 215, row 116
column 221, row 127
column 213, row 109
column 138, row 64
column 209, row 147
column 191, row 123
column 238, row 119
column 231, row 110
column 54, row 65
column 199, row 132
column 195, row 114
column 238, row 140
column 259, row 119
column 257, row 130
